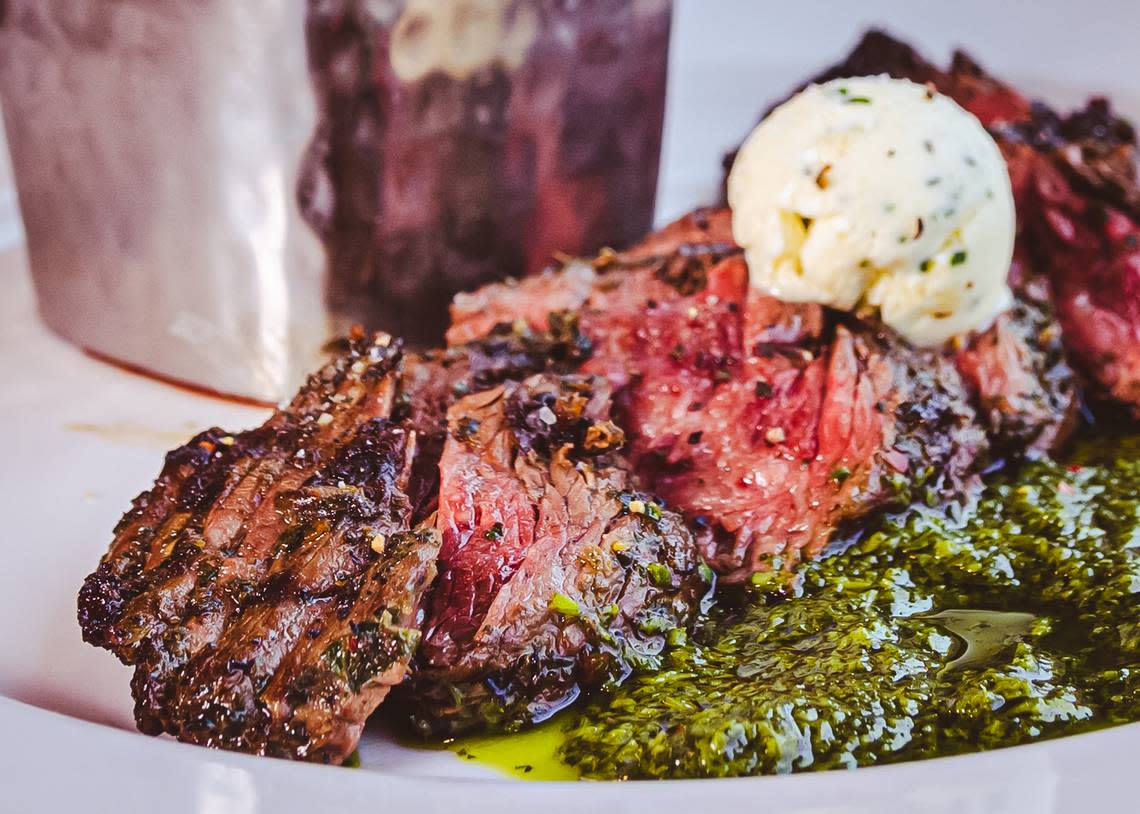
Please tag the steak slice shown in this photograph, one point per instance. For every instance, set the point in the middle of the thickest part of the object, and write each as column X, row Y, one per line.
column 554, row 574
column 233, row 584
column 1078, row 206
column 267, row 588
column 1082, row 227
column 201, row 545
column 431, row 382
column 1026, row 392
column 770, row 425
column 334, row 625
column 475, row 314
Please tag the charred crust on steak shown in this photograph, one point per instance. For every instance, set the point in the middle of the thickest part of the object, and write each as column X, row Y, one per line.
column 253, row 549
column 589, row 435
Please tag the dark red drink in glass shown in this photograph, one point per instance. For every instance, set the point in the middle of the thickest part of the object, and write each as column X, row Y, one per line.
column 462, row 141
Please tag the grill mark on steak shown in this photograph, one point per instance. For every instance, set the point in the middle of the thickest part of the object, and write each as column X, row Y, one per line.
column 554, row 574
column 334, row 626
column 230, row 580
column 174, row 582
column 768, row 424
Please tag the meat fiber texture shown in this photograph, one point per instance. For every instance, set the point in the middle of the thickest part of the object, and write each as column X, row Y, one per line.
column 769, row 425
column 555, row 575
column 269, row 589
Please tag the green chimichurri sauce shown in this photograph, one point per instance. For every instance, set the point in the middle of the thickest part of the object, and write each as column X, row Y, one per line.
column 939, row 632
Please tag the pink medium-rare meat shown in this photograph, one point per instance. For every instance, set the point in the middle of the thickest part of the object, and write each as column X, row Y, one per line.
column 768, row 424
column 267, row 588
column 1091, row 251
column 566, row 287
column 555, row 574
column 487, row 521
column 530, row 299
column 431, row 381
column 772, row 423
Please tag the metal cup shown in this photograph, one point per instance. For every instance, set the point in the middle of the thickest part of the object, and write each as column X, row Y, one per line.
column 155, row 145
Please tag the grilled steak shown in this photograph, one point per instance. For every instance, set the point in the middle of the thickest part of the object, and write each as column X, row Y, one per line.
column 770, row 425
column 481, row 518
column 267, row 587
column 1025, row 391
column 554, row 575
column 206, row 541
column 231, row 583
column 1078, row 206
column 430, row 382
column 334, row 626
column 1082, row 226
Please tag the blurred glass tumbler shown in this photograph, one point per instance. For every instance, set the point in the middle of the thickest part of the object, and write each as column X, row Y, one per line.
column 168, row 154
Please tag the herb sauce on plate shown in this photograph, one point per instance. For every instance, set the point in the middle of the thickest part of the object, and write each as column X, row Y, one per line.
column 937, row 633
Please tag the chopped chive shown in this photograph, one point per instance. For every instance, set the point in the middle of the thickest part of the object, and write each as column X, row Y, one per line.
column 659, row 574
column 706, row 573
column 925, row 264
column 958, row 258
column 562, row 604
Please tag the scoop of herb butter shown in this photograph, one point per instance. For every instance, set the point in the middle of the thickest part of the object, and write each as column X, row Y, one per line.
column 877, row 193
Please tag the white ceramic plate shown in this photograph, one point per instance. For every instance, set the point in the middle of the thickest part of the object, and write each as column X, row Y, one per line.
column 78, row 439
